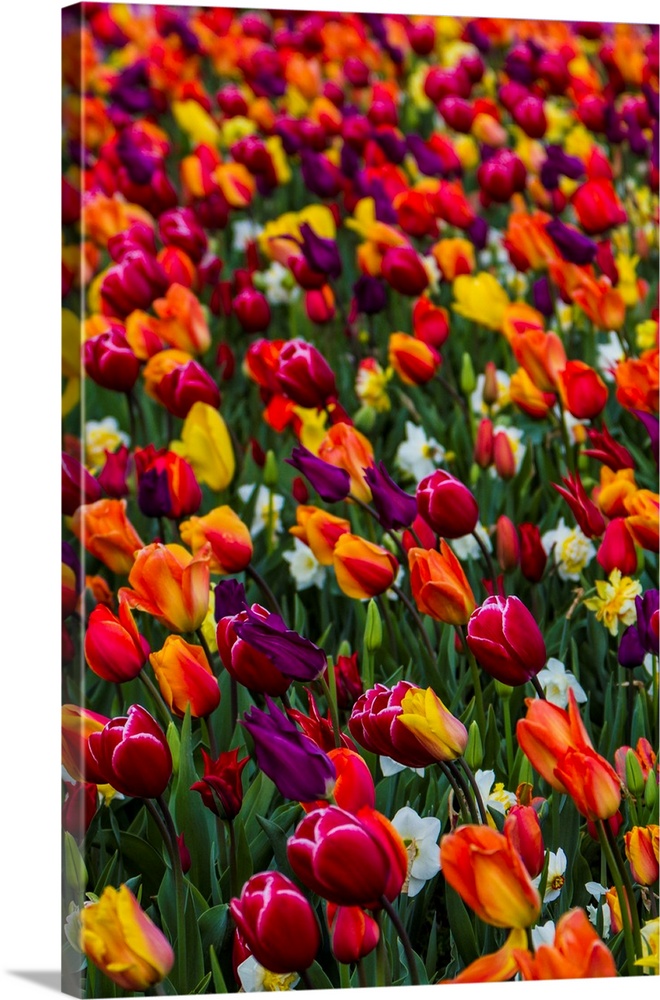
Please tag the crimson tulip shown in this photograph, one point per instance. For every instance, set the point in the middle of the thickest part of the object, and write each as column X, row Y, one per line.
column 506, row 641
column 276, row 922
column 133, row 755
column 447, row 505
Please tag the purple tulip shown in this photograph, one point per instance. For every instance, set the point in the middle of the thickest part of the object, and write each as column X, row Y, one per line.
column 478, row 232
column 229, row 599
column 573, row 245
column 370, row 295
column 297, row 766
column 542, row 298
column 321, row 254
column 331, row 483
column 395, row 507
column 292, row 654
column 640, row 638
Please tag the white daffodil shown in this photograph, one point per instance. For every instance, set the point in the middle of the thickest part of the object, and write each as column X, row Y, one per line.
column 467, row 547
column 390, row 767
column 277, row 284
column 266, row 509
column 244, row 231
column 598, row 890
column 420, row 835
column 516, row 438
column 255, row 979
column 543, row 934
column 101, row 436
column 608, row 355
column 571, row 549
column 418, row 456
column 556, row 682
column 494, row 795
column 304, row 567
column 555, row 878
column 477, row 405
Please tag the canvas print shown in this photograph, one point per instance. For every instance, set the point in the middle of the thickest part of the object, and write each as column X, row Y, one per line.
column 359, row 500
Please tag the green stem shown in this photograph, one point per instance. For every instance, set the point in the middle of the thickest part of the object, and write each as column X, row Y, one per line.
column 475, row 788
column 627, row 885
column 478, row 694
column 362, row 974
column 465, row 803
column 417, row 619
column 344, row 976
column 180, row 893
column 332, row 705
column 265, row 589
column 486, row 554
column 633, row 970
column 508, row 735
column 161, row 708
column 403, row 937
column 234, row 888
column 207, row 729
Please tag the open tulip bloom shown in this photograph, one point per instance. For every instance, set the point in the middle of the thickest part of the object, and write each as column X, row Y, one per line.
column 360, row 512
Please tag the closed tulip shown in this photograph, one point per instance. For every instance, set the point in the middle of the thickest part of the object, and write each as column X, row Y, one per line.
column 353, row 933
column 591, row 781
column 109, row 360
column 489, row 875
column 439, row 585
column 346, row 448
column 182, row 321
column 523, row 831
column 363, row 569
column 107, row 533
column 304, row 375
column 121, row 940
column 542, row 355
column 78, row 724
column 167, row 486
column 577, row 952
column 228, row 537
column 617, row 548
column 114, row 648
column 414, row 361
column 583, row 390
column 221, row 786
column 292, row 654
column 546, row 734
column 395, row 507
column 447, row 505
column 354, row 787
column 642, row 852
column 277, row 922
column 506, row 641
column 320, row 530
column 533, row 557
column 403, row 270
column 642, row 521
column 206, row 444
column 597, row 206
column 248, row 666
column 430, row 322
column 185, row 678
column 436, row 729
column 132, row 754
column 349, row 860
column 181, row 386
column 331, row 482
column 170, row 584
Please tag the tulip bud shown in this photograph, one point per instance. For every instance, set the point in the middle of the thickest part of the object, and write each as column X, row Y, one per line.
column 533, row 557
column 507, row 545
column 505, row 462
column 523, row 831
column 634, row 776
column 506, row 641
column 483, row 444
column 468, row 379
column 373, row 629
column 651, row 791
column 447, row 505
column 252, row 310
column 617, row 549
column 474, row 751
column 490, row 390
column 270, row 474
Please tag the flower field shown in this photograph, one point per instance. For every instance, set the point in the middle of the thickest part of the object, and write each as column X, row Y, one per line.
column 359, row 495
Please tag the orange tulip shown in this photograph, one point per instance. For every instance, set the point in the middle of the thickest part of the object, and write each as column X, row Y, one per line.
column 182, row 321
column 520, row 317
column 527, row 397
column 439, row 585
column 642, row 521
column 591, row 781
column 346, row 448
column 105, row 531
column 527, row 241
column 454, row 257
column 498, row 967
column 320, row 530
column 548, row 732
column 642, row 853
column 577, row 952
column 542, row 355
column 77, row 726
column 170, row 584
column 414, row 361
column 229, row 538
column 490, row 877
column 362, row 568
column 185, row 678
column 637, row 382
column 614, row 489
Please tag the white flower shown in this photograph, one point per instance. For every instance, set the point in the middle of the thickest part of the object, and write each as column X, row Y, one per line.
column 391, row 594
column 556, row 680
column 244, row 231
column 101, row 436
column 572, row 424
column 420, row 835
column 266, row 509
column 418, row 456
column 543, row 934
column 477, row 404
column 515, row 436
column 255, row 979
column 495, row 796
column 572, row 550
column 608, row 356
column 277, row 284
column 555, row 877
column 304, row 567
column 467, row 547
column 598, row 890
column 390, row 767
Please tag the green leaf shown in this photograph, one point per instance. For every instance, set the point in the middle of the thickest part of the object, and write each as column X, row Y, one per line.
column 146, row 859
column 218, row 978
column 202, row 984
column 318, row 978
column 213, row 926
column 432, row 950
column 190, row 814
column 461, row 927
column 421, row 968
column 278, row 839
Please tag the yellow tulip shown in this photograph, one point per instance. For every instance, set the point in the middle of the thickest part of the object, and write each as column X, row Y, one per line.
column 481, row 298
column 206, row 444
column 439, row 732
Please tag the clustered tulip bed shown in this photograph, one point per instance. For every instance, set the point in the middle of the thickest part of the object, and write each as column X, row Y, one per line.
column 360, row 530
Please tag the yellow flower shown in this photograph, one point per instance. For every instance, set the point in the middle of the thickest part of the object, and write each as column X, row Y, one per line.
column 650, row 945
column 615, row 601
column 280, row 160
column 579, row 142
column 312, row 427
column 206, row 444
column 439, row 732
column 467, row 151
column 371, row 385
column 416, row 88
column 481, row 298
column 233, row 129
column 626, row 267
column 70, row 360
column 196, row 123
column 646, row 334
column 101, row 436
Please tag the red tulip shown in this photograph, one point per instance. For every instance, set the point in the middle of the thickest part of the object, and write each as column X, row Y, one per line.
column 523, row 831
column 617, row 548
column 353, row 933
column 447, row 505
column 133, row 755
column 506, row 641
column 277, row 922
column 114, row 648
column 403, row 270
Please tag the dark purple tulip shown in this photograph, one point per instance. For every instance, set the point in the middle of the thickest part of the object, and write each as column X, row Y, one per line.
column 391, row 143
column 370, row 295
column 331, row 483
column 640, row 638
column 139, row 163
column 229, row 599
column 70, row 559
column 78, row 485
column 321, row 254
column 573, row 245
column 297, row 766
column 428, row 161
column 131, row 91
column 650, row 421
column 395, row 507
column 478, row 232
column 112, row 476
column 542, row 298
column 321, row 177
column 292, row 654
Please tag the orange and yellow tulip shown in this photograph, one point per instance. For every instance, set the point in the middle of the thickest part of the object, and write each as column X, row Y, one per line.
column 642, row 521
column 363, row 569
column 591, row 781
column 106, row 532
column 547, row 732
column 229, row 538
column 346, row 448
column 577, row 952
column 185, row 678
column 320, row 530
column 439, row 585
column 435, row 728
column 414, row 361
column 182, row 321
column 542, row 355
column 642, row 853
column 170, row 584
column 498, row 967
